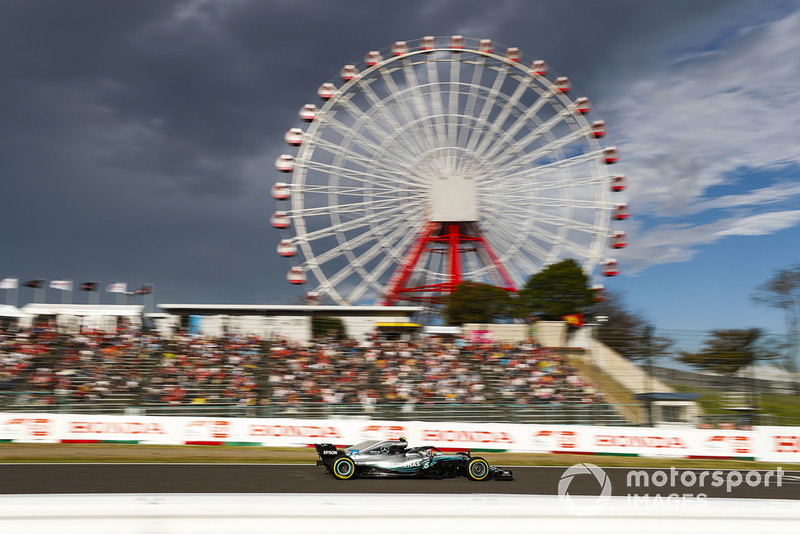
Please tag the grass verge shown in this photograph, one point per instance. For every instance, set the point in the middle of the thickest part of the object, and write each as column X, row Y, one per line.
column 171, row 454
column 784, row 408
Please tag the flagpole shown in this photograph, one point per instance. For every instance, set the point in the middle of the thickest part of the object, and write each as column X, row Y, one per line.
column 10, row 284
column 120, row 288
column 91, row 287
column 147, row 291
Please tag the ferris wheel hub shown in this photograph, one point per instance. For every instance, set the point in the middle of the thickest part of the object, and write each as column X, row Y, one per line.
column 454, row 199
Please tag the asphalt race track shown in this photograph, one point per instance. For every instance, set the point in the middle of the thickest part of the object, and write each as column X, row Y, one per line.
column 226, row 478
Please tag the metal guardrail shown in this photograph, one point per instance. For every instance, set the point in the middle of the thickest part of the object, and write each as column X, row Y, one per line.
column 588, row 414
column 724, row 383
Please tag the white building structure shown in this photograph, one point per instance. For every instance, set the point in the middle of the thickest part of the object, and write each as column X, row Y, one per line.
column 73, row 317
column 291, row 322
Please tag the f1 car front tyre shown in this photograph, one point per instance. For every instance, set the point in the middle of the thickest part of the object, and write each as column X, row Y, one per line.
column 477, row 469
column 343, row 468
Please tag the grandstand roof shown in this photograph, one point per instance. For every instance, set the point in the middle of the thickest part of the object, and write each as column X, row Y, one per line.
column 121, row 310
column 287, row 309
column 10, row 311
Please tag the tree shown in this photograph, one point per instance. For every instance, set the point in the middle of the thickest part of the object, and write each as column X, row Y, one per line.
column 727, row 351
column 332, row 327
column 782, row 291
column 627, row 332
column 472, row 302
column 560, row 289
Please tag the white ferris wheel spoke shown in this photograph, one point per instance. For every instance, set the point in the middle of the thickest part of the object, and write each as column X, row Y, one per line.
column 551, row 146
column 436, row 102
column 550, row 167
column 486, row 109
column 473, row 266
column 353, row 224
column 389, row 189
column 356, row 263
column 509, row 237
column 472, row 99
column 369, row 236
column 405, row 109
column 351, row 207
column 372, row 276
column 356, row 157
column 561, row 183
column 373, row 126
column 524, row 120
column 358, row 176
column 530, row 138
column 510, row 241
column 411, row 142
column 497, row 123
column 428, row 129
column 351, row 133
column 453, row 102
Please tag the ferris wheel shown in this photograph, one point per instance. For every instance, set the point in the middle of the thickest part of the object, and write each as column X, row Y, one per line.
column 443, row 160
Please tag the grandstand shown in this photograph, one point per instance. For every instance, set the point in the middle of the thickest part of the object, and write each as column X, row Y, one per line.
column 259, row 361
column 434, row 378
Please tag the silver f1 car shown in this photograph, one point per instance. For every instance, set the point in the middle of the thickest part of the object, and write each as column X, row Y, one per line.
column 393, row 458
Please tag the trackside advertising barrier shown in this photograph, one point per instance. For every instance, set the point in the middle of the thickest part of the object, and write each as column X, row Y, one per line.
column 767, row 443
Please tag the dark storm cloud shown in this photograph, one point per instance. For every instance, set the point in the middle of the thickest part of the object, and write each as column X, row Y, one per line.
column 138, row 137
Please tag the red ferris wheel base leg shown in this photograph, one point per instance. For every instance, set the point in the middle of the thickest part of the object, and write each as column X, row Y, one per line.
column 454, row 240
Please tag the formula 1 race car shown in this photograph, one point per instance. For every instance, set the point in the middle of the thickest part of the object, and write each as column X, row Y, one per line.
column 393, row 458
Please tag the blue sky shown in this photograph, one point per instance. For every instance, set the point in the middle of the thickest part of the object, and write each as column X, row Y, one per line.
column 712, row 145
column 138, row 138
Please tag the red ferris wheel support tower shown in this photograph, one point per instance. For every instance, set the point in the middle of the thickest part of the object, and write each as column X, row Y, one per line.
column 452, row 235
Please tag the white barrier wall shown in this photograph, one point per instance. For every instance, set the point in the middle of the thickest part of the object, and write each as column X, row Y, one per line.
column 775, row 444
column 300, row 513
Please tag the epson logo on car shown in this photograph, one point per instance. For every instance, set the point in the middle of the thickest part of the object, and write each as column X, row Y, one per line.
column 331, row 453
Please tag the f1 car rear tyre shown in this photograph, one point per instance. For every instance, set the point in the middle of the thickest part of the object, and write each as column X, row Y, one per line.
column 344, row 468
column 477, row 469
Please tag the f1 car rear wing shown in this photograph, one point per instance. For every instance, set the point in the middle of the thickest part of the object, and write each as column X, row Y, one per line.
column 327, row 453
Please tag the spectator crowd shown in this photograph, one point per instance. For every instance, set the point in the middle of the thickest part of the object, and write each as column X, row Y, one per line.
column 39, row 365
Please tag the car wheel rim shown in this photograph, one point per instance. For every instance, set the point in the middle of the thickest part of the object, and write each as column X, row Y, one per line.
column 478, row 469
column 343, row 469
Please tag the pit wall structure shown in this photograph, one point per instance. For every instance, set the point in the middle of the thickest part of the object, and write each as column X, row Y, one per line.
column 766, row 443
